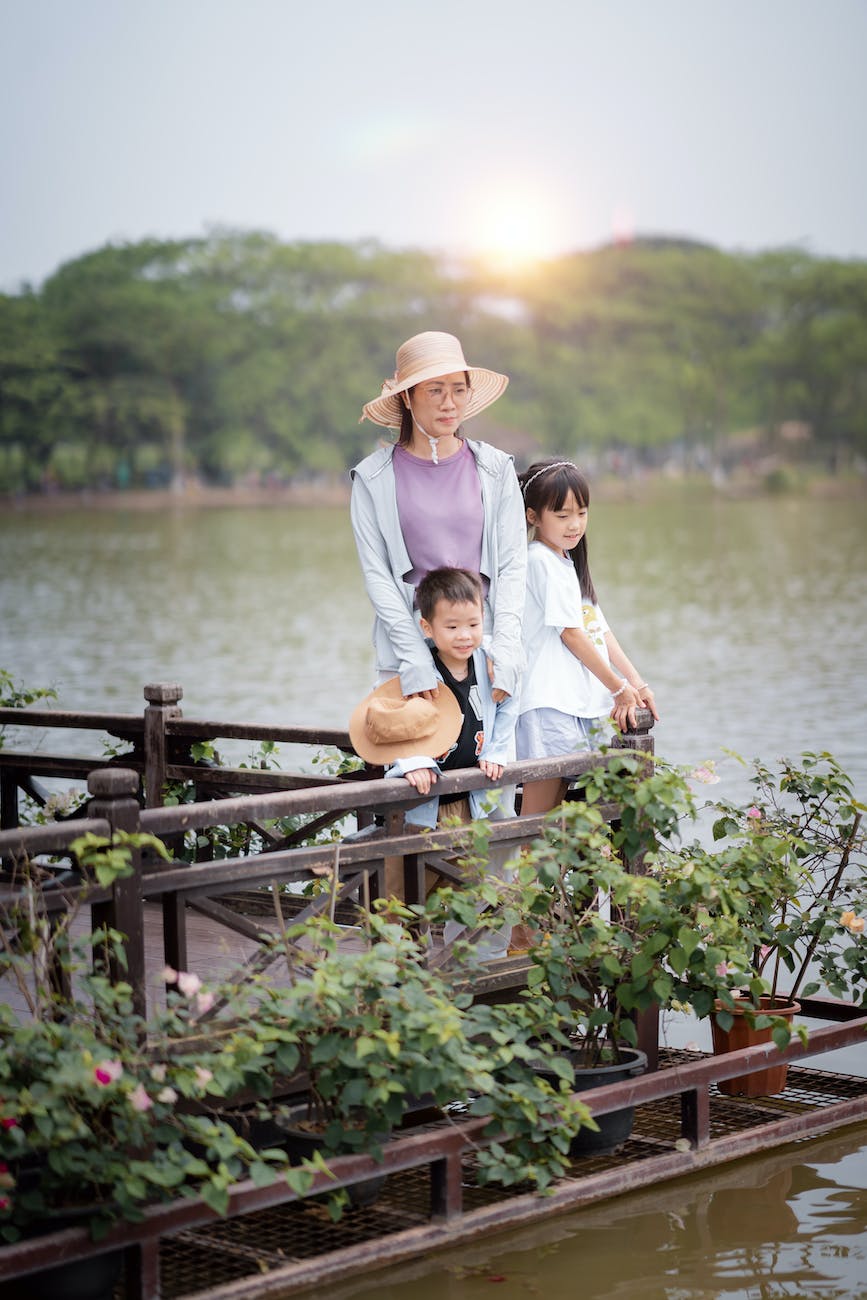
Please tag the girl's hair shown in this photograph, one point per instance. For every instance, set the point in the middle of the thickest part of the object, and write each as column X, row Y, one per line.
column 406, row 414
column 545, row 486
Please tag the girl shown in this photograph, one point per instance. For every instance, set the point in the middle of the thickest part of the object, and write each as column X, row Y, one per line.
column 570, row 683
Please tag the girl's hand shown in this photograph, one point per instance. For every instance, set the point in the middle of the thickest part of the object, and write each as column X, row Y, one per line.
column 645, row 695
column 624, row 708
column 493, row 771
column 421, row 779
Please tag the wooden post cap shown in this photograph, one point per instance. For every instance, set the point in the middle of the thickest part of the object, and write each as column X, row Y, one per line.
column 112, row 782
column 163, row 693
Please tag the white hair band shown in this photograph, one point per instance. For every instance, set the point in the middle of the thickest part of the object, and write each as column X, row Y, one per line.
column 560, row 464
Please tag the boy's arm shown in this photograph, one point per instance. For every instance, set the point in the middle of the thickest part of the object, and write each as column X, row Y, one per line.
column 498, row 747
column 420, row 771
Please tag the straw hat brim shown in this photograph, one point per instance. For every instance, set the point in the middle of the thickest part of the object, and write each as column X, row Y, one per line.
column 485, row 387
column 433, row 746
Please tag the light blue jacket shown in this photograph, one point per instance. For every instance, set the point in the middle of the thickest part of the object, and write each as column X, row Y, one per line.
column 397, row 638
column 498, row 723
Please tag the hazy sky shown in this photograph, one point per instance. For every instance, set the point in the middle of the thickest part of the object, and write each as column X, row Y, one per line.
column 520, row 126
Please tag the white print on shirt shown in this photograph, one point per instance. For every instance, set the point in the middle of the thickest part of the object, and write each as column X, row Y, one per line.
column 474, row 696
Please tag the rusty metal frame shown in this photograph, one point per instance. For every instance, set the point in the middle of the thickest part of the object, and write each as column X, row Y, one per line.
column 441, row 1151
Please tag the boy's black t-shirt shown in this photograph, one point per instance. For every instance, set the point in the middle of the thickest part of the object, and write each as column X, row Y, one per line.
column 468, row 746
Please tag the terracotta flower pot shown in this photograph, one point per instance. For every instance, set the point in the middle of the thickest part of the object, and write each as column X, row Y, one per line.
column 761, row 1083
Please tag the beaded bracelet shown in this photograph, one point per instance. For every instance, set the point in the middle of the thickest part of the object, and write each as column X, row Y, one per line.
column 614, row 694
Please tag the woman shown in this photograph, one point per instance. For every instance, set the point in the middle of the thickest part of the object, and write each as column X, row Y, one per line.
column 436, row 499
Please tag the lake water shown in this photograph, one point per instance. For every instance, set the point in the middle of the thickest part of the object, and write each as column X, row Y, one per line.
column 747, row 617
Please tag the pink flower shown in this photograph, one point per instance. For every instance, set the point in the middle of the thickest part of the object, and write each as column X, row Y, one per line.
column 188, row 984
column 755, row 813
column 169, row 975
column 203, row 1076
column 722, row 969
column 705, row 774
column 8, row 1123
column 5, row 1203
column 765, row 952
column 204, row 1002
column 139, row 1100
column 108, row 1072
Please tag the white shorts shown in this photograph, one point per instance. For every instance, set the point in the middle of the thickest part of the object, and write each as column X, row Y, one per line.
column 548, row 733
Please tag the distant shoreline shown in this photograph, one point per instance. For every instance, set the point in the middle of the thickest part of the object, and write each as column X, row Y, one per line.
column 308, row 495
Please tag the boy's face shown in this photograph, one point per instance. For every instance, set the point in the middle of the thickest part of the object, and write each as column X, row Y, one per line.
column 456, row 628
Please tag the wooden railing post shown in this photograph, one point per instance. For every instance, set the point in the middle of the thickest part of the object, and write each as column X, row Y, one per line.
column 640, row 738
column 162, row 704
column 115, row 792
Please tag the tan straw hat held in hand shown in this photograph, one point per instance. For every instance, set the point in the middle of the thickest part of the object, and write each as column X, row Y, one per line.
column 427, row 356
column 385, row 726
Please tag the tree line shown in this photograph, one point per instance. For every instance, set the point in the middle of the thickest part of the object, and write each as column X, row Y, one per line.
column 238, row 355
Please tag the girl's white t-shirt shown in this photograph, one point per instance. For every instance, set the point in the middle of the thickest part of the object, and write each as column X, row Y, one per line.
column 554, row 678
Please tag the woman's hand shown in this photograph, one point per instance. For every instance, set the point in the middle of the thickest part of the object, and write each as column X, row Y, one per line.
column 493, row 771
column 424, row 695
column 421, row 779
column 497, row 694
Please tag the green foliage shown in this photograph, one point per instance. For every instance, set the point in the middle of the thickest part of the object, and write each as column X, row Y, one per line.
column 238, row 355
column 374, row 1030
column 628, row 917
column 14, row 695
column 103, row 1112
column 798, row 856
column 110, row 859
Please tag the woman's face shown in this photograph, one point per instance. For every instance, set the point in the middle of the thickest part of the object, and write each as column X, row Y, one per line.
column 438, row 405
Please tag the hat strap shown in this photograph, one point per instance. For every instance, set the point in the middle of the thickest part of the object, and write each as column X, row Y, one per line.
column 434, row 455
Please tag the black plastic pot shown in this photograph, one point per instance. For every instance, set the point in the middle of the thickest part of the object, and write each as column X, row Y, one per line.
column 300, row 1141
column 614, row 1128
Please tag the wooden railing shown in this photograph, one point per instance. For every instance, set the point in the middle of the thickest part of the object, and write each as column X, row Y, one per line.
column 379, row 841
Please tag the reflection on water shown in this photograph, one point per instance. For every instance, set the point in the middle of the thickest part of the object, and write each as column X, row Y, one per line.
column 747, row 618
column 789, row 1223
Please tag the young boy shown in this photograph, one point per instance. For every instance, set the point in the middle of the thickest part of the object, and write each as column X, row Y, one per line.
column 450, row 602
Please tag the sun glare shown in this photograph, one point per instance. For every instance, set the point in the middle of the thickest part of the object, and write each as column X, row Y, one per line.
column 512, row 230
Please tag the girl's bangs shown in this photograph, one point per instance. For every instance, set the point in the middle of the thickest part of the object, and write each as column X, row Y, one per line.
column 561, row 483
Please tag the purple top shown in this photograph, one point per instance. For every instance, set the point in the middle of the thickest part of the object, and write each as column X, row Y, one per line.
column 441, row 512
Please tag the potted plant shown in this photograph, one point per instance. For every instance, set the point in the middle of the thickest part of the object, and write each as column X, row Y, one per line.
column 622, row 920
column 100, row 1110
column 374, row 1033
column 800, row 852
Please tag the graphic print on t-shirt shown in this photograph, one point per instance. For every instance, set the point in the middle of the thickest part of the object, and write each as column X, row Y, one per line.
column 469, row 743
column 592, row 625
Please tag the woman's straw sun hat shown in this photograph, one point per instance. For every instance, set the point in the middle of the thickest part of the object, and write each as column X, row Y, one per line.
column 385, row 726
column 427, row 356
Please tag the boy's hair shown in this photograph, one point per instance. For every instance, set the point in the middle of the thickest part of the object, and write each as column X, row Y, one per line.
column 452, row 585
column 545, row 486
